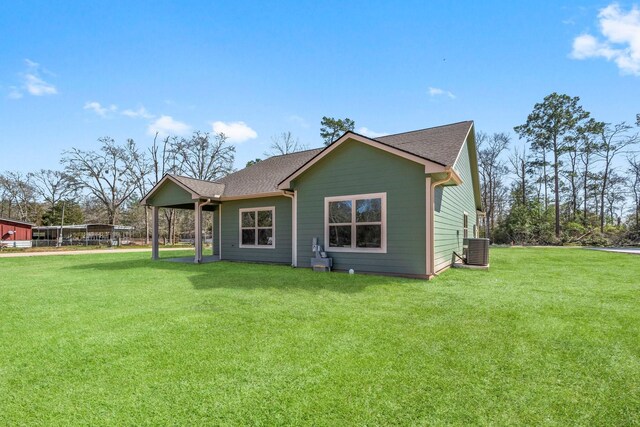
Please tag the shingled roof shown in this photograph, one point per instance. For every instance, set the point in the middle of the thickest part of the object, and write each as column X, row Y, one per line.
column 439, row 144
column 264, row 176
column 208, row 189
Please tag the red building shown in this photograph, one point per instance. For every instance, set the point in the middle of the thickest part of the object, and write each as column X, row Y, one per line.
column 15, row 234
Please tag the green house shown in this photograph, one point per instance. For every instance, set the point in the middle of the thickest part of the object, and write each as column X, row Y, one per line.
column 397, row 204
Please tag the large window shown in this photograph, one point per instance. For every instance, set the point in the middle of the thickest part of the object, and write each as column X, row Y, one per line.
column 356, row 223
column 257, row 228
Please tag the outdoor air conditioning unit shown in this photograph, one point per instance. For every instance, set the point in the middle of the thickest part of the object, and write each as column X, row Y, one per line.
column 477, row 251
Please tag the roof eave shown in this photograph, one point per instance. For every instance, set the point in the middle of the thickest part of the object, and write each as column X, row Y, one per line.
column 172, row 178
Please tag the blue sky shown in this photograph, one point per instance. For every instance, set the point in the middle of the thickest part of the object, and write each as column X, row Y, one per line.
column 72, row 72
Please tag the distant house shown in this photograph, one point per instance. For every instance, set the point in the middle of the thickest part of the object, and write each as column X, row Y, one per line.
column 398, row 204
column 15, row 234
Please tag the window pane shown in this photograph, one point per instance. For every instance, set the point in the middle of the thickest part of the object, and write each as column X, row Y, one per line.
column 369, row 210
column 249, row 237
column 368, row 236
column 340, row 236
column 265, row 218
column 265, row 236
column 340, row 211
column 248, row 219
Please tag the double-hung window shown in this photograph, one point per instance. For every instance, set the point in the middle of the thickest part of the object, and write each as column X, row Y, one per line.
column 356, row 223
column 257, row 228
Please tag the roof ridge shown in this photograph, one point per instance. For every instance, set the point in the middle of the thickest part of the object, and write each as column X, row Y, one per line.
column 295, row 152
column 195, row 179
column 422, row 130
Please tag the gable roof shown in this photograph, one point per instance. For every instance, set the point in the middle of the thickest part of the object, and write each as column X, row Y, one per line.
column 443, row 143
column 264, row 176
column 198, row 188
column 440, row 144
column 202, row 188
column 437, row 148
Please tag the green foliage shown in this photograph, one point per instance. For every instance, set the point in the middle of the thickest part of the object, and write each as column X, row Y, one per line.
column 253, row 162
column 73, row 214
column 527, row 225
column 332, row 128
column 546, row 337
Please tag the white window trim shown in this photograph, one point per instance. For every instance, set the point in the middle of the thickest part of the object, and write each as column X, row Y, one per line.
column 383, row 240
column 273, row 227
column 465, row 215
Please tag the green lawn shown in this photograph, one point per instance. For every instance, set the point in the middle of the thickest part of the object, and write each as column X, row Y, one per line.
column 548, row 336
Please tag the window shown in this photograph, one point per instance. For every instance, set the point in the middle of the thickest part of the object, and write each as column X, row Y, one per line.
column 356, row 223
column 257, row 228
column 465, row 225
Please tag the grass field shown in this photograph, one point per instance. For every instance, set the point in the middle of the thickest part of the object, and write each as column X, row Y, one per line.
column 548, row 336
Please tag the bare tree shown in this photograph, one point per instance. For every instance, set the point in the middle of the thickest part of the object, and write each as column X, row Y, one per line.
column 18, row 196
column 284, row 143
column 492, row 171
column 205, row 157
column 140, row 169
column 163, row 161
column 587, row 145
column 616, row 198
column 615, row 139
column 521, row 170
column 52, row 186
column 106, row 174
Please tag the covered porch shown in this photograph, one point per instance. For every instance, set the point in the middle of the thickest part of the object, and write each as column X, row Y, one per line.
column 178, row 192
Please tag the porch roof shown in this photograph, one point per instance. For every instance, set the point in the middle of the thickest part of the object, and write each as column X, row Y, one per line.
column 181, row 192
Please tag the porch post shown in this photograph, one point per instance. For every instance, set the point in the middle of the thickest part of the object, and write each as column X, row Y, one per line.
column 198, row 232
column 213, row 228
column 155, row 250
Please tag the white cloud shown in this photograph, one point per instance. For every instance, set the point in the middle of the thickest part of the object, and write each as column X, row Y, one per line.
column 14, row 93
column 97, row 108
column 32, row 82
column 38, row 87
column 621, row 43
column 434, row 91
column 139, row 113
column 370, row 133
column 235, row 131
column 167, row 125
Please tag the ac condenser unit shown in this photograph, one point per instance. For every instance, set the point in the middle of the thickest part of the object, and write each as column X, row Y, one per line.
column 477, row 251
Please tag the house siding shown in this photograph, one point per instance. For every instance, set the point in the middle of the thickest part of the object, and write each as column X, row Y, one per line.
column 170, row 194
column 356, row 168
column 231, row 249
column 450, row 204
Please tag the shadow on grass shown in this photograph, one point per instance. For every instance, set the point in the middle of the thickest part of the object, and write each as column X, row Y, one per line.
column 242, row 275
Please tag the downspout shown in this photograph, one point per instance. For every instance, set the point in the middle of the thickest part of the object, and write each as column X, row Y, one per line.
column 431, row 269
column 294, row 225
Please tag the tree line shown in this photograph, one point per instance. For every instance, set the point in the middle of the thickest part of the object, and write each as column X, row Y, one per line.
column 105, row 185
column 564, row 177
column 567, row 179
